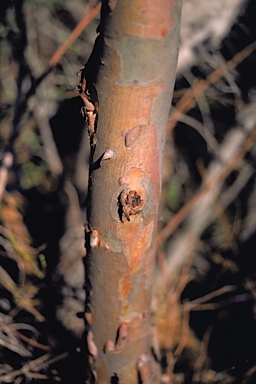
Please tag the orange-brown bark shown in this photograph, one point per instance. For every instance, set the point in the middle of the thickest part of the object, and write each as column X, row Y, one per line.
column 134, row 89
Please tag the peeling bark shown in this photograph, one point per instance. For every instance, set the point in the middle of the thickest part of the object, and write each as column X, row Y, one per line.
column 139, row 45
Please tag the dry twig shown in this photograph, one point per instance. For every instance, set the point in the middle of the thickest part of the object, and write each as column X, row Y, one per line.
column 208, row 187
column 88, row 17
column 33, row 367
column 199, row 87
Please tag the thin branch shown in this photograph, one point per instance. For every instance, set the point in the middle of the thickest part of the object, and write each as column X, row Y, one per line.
column 207, row 187
column 29, row 341
column 34, row 365
column 206, row 134
column 210, row 296
column 21, row 104
column 249, row 374
column 4, row 171
column 88, row 17
column 200, row 86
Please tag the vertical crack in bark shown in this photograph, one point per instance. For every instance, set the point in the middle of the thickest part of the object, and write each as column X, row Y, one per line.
column 86, row 80
column 91, row 106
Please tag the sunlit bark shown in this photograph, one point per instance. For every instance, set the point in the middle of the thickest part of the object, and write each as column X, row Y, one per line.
column 134, row 87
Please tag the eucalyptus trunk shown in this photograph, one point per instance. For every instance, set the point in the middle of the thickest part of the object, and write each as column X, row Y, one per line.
column 127, row 110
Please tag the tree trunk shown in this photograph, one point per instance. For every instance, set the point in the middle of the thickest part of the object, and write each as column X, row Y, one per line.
column 139, row 46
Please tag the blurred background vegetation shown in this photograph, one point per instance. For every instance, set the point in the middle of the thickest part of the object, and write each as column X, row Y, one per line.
column 204, row 326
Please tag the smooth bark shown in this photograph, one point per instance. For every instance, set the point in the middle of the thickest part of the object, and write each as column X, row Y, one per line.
column 134, row 86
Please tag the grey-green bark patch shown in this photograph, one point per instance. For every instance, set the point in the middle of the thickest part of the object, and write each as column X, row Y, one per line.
column 114, row 243
column 159, row 118
column 134, row 67
column 149, row 208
